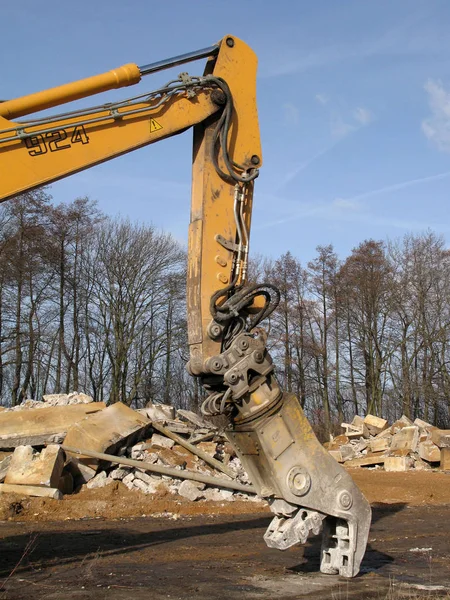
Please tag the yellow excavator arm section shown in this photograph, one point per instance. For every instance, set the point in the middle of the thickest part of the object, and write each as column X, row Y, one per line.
column 306, row 489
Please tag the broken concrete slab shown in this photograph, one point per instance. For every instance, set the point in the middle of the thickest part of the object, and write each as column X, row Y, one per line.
column 353, row 431
column 423, row 424
column 4, row 466
column 375, row 424
column 347, row 452
column 216, row 495
column 30, row 490
column 188, row 490
column 81, row 473
column 445, row 459
column 28, row 467
column 67, row 399
column 398, row 463
column 106, row 430
column 406, row 438
column 99, row 481
column 379, row 445
column 162, row 441
column 35, row 427
column 158, row 412
column 420, row 465
column 366, row 461
column 195, row 419
column 429, row 451
column 441, row 437
column 119, row 473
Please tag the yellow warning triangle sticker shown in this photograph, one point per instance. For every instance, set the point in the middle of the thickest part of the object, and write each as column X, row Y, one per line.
column 154, row 126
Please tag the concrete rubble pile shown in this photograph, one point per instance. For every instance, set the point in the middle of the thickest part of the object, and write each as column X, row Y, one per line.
column 405, row 445
column 68, row 443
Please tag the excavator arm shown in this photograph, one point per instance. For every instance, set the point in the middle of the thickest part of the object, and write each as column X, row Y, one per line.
column 308, row 491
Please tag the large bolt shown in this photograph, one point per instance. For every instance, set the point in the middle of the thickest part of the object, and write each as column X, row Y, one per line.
column 243, row 344
column 345, row 500
column 258, row 356
column 216, row 365
column 230, row 42
column 233, row 377
column 214, row 330
column 255, row 159
column 299, row 481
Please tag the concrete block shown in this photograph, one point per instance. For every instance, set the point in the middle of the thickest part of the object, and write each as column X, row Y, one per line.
column 399, row 452
column 119, row 473
column 209, row 447
column 445, row 459
column 421, row 465
column 145, row 477
column 379, row 445
column 4, row 466
column 190, row 491
column 406, row 439
column 80, row 472
column 28, row 467
column 366, row 461
column 216, row 495
column 360, row 445
column 128, row 480
column 106, row 430
column 159, row 412
column 67, row 399
column 347, row 452
column 397, row 463
column 147, row 488
column 192, row 417
column 35, row 426
column 441, row 437
column 406, row 420
column 30, row 490
column 375, row 424
column 99, row 481
column 429, row 451
column 353, row 431
column 423, row 424
column 359, row 423
column 162, row 441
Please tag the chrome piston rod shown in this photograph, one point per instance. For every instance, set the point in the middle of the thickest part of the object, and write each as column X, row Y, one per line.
column 181, row 59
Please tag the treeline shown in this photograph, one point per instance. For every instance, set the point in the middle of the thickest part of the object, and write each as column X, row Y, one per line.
column 95, row 304
column 369, row 334
column 89, row 303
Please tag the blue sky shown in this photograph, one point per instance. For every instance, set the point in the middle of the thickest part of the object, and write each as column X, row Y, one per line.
column 353, row 97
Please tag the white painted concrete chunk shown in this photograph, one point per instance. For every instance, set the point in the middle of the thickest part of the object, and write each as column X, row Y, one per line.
column 162, row 441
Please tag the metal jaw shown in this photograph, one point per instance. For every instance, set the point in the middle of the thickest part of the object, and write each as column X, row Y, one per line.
column 307, row 489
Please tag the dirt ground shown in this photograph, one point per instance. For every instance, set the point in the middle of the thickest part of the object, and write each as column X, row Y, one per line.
column 116, row 544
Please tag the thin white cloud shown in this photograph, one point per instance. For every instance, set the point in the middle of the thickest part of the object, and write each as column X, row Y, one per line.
column 397, row 186
column 404, row 39
column 291, row 114
column 321, row 99
column 340, row 128
column 304, row 165
column 362, row 115
column 436, row 127
column 352, row 209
